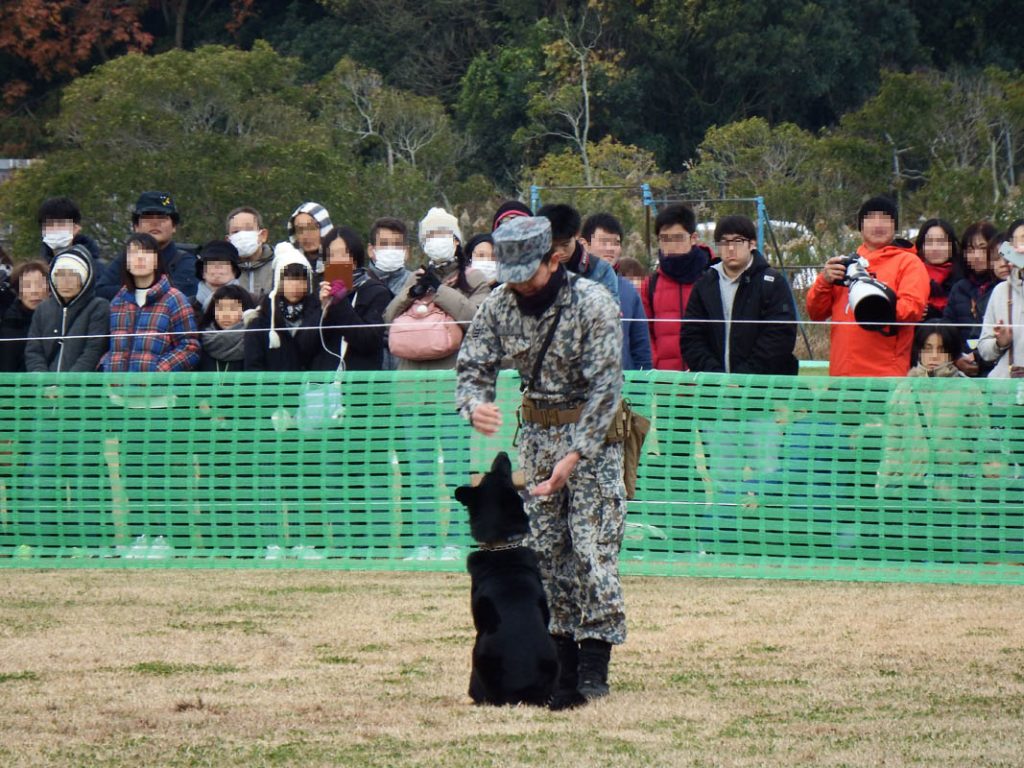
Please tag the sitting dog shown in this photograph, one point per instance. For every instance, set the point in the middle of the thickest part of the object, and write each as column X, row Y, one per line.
column 514, row 657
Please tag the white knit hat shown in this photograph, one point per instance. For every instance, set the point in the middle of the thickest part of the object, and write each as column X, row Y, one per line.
column 439, row 218
column 285, row 255
column 73, row 261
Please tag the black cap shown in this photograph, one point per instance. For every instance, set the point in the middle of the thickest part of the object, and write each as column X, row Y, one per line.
column 510, row 209
column 218, row 250
column 880, row 204
column 155, row 202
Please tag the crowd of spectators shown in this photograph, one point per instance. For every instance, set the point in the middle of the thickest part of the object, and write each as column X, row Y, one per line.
column 324, row 300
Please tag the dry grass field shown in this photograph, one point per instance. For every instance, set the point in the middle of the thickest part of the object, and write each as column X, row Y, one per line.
column 210, row 668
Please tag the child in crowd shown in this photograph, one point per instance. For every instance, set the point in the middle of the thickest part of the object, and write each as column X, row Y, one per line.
column 152, row 325
column 934, row 351
column 216, row 265
column 68, row 331
column 289, row 317
column 223, row 329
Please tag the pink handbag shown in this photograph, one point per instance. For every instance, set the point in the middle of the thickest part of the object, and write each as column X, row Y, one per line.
column 424, row 332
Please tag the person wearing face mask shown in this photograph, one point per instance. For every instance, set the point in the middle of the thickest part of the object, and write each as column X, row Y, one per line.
column 245, row 231
column 28, row 289
column 681, row 261
column 387, row 251
column 60, row 224
column 445, row 280
column 68, row 331
column 480, row 249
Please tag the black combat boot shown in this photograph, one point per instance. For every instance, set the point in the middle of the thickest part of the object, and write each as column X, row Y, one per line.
column 594, row 658
column 566, row 693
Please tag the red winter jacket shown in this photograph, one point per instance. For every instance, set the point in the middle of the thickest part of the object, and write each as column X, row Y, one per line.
column 856, row 352
column 670, row 298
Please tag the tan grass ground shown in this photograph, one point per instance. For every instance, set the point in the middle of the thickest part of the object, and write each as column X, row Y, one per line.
column 207, row 668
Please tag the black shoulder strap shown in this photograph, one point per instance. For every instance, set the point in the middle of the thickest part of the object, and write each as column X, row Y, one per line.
column 651, row 281
column 535, row 374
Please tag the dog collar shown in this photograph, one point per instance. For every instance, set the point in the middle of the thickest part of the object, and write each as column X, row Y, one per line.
column 514, row 544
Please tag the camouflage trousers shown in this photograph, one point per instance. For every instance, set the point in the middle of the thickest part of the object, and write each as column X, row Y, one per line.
column 577, row 534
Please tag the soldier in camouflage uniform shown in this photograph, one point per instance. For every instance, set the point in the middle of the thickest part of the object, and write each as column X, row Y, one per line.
column 577, row 506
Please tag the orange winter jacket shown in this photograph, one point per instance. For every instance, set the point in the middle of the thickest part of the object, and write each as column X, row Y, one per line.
column 856, row 352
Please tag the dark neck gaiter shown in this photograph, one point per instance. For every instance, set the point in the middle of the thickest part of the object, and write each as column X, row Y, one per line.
column 537, row 304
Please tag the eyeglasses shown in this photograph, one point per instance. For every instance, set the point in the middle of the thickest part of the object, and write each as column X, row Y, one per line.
column 735, row 243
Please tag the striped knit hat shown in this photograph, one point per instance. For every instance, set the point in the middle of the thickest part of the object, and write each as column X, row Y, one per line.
column 319, row 214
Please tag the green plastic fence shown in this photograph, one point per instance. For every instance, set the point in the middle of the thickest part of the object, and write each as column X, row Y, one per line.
column 784, row 477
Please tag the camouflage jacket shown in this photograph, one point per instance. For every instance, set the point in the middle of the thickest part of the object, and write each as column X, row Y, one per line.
column 582, row 365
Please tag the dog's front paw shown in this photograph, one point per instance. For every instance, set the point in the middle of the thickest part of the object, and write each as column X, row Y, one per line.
column 566, row 700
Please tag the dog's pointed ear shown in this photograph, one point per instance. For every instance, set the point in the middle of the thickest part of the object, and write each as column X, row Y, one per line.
column 466, row 494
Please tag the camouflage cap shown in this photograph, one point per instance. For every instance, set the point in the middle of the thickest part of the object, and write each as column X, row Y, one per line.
column 519, row 245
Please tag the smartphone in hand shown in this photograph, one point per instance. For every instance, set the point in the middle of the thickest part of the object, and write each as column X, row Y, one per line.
column 341, row 272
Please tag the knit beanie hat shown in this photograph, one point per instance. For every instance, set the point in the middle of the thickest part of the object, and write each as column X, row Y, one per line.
column 439, row 218
column 285, row 255
column 319, row 214
column 72, row 259
column 510, row 209
column 880, row 204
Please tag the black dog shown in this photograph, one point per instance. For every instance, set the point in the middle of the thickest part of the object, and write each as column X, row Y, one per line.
column 514, row 657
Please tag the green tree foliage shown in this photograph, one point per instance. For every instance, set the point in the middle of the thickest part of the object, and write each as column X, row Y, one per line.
column 620, row 168
column 751, row 157
column 217, row 128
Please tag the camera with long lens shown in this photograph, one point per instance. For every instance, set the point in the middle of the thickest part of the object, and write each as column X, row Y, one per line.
column 872, row 301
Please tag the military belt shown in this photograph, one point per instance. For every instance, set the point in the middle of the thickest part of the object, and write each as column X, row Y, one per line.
column 550, row 417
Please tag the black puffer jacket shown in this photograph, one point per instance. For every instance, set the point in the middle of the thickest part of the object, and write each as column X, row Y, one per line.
column 968, row 299
column 762, row 294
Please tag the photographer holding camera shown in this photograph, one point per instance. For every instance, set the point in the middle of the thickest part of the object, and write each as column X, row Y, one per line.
column 886, row 284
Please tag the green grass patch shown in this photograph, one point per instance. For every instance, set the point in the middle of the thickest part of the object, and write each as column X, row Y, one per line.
column 166, row 669
column 13, row 677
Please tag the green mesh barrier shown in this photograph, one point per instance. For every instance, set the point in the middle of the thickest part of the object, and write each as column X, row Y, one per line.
column 784, row 477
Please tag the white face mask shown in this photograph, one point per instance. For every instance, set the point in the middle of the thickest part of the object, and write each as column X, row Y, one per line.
column 389, row 259
column 440, row 250
column 488, row 269
column 58, row 240
column 246, row 242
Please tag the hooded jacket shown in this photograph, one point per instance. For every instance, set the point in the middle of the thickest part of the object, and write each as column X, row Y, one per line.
column 258, row 272
column 665, row 301
column 161, row 336
column 59, row 330
column 762, row 294
column 855, row 351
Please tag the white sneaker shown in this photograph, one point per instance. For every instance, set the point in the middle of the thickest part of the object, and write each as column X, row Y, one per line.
column 138, row 549
column 422, row 553
column 273, row 552
column 451, row 552
column 302, row 552
column 159, row 549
